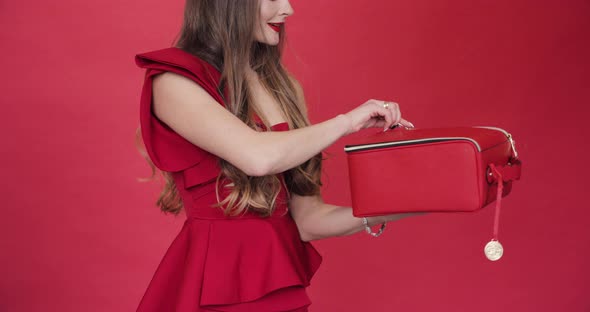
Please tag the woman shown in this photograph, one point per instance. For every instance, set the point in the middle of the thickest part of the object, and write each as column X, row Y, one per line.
column 227, row 125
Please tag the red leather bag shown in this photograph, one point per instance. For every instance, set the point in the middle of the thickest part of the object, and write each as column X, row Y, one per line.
column 431, row 170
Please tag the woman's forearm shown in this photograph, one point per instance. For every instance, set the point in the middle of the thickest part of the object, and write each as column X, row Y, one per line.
column 280, row 151
column 330, row 220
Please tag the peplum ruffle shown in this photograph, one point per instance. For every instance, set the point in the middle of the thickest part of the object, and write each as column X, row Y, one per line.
column 217, row 264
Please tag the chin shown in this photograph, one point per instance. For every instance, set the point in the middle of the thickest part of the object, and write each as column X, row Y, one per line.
column 272, row 40
column 268, row 38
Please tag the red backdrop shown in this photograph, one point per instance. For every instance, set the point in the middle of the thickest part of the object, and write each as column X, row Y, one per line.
column 79, row 233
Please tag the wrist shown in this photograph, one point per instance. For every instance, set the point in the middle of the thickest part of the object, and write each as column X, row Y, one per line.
column 372, row 221
column 346, row 121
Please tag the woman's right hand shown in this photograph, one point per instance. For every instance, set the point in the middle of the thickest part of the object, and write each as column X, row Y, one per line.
column 376, row 114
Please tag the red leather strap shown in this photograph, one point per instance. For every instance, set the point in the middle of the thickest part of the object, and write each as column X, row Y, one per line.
column 498, row 177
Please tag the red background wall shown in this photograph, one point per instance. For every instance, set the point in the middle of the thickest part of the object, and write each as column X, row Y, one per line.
column 79, row 233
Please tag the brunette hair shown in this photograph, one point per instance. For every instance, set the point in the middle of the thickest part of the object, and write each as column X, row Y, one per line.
column 221, row 32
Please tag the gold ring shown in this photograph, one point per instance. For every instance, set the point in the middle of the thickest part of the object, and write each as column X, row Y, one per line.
column 386, row 105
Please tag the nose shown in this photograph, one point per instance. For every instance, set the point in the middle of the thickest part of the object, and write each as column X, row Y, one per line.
column 287, row 9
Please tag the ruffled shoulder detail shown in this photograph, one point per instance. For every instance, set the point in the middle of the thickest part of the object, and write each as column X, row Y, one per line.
column 184, row 63
column 168, row 150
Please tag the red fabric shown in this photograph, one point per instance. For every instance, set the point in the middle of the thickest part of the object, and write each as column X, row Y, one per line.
column 218, row 263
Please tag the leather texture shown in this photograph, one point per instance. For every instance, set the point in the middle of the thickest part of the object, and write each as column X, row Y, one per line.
column 428, row 170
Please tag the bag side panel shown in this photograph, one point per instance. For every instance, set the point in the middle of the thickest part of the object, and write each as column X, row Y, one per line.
column 498, row 155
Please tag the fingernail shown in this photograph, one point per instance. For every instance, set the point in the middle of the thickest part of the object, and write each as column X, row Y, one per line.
column 411, row 124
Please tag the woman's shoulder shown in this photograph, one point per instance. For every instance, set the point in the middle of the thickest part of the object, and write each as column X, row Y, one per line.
column 176, row 58
column 168, row 150
column 177, row 61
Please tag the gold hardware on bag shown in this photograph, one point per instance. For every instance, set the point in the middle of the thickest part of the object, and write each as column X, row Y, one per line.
column 513, row 145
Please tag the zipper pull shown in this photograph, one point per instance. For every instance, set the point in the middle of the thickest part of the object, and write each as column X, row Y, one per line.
column 513, row 145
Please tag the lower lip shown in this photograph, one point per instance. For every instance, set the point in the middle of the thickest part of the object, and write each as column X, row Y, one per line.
column 275, row 28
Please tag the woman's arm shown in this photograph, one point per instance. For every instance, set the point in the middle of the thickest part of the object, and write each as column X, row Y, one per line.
column 191, row 112
column 317, row 220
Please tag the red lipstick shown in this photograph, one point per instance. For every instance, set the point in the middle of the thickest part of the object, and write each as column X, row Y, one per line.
column 275, row 26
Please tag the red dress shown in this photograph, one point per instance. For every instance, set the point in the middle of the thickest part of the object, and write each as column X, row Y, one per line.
column 218, row 263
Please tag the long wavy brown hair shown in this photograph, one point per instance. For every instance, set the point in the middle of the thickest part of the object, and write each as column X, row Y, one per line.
column 221, row 32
